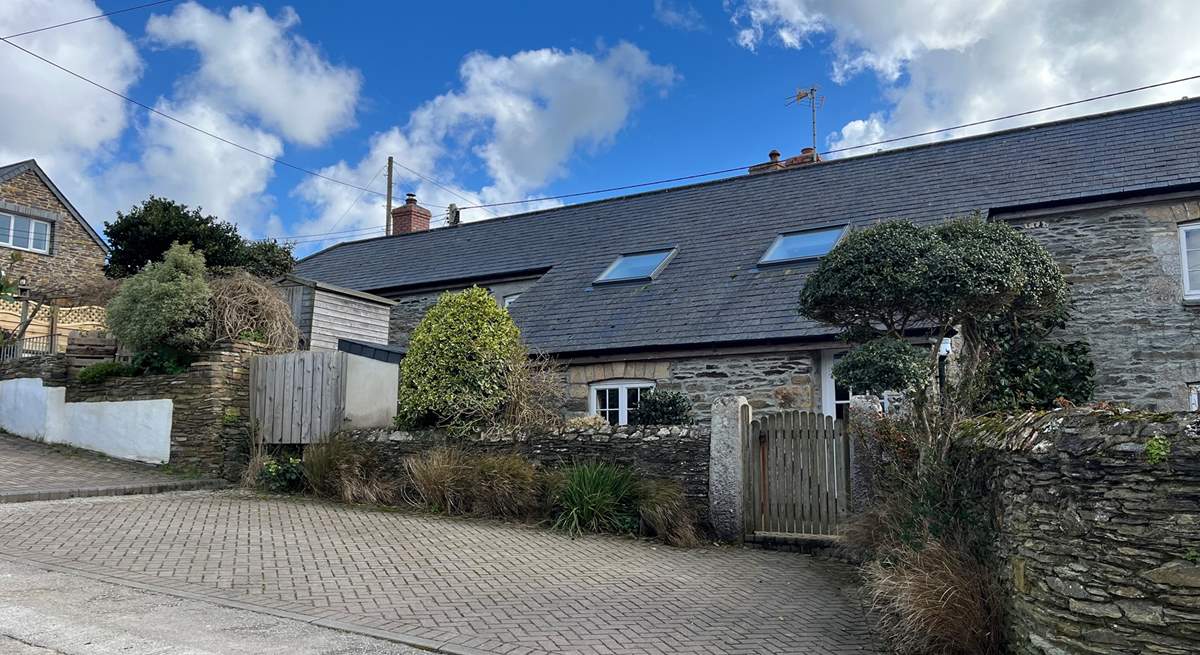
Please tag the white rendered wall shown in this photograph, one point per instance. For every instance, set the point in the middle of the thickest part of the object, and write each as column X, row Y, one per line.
column 138, row 430
column 371, row 390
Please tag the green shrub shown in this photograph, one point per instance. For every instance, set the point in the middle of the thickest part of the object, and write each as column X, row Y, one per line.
column 442, row 480
column 1158, row 449
column 454, row 374
column 506, row 486
column 663, row 507
column 884, row 364
column 349, row 470
column 102, row 371
column 164, row 308
column 282, row 475
column 597, row 497
column 658, row 407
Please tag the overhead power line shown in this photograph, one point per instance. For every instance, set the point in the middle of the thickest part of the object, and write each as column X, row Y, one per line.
column 356, row 199
column 90, row 18
column 845, row 149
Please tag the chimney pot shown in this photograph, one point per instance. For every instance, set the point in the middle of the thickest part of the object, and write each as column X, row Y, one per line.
column 773, row 155
column 410, row 217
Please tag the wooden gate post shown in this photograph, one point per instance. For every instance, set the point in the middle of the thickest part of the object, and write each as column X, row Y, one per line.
column 726, row 472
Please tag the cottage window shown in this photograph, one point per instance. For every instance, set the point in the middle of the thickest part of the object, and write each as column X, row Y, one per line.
column 614, row 400
column 799, row 246
column 835, row 396
column 1189, row 243
column 24, row 233
column 636, row 266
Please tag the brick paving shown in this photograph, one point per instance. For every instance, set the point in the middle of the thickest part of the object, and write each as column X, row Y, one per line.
column 455, row 585
column 35, row 471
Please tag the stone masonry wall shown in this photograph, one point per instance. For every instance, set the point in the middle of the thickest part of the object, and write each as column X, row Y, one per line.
column 676, row 452
column 52, row 369
column 1100, row 544
column 75, row 259
column 1123, row 264
column 780, row 380
column 210, row 420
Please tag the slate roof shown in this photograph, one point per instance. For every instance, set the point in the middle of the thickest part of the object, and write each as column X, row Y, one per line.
column 12, row 170
column 712, row 292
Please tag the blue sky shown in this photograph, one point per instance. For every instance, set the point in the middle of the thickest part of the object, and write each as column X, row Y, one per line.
column 512, row 101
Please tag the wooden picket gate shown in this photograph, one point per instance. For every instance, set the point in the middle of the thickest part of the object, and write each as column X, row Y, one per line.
column 298, row 398
column 797, row 474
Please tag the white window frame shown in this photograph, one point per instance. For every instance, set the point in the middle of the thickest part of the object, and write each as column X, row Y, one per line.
column 624, row 385
column 510, row 298
column 1189, row 292
column 828, row 385
column 11, row 219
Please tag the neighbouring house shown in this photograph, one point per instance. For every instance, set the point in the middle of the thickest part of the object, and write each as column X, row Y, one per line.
column 325, row 313
column 59, row 254
column 695, row 287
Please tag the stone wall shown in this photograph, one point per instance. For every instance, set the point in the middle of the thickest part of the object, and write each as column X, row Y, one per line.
column 1124, row 267
column 676, row 452
column 210, row 423
column 75, row 259
column 772, row 380
column 52, row 369
column 1099, row 542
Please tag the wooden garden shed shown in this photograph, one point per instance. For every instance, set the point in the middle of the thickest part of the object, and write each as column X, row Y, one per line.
column 325, row 313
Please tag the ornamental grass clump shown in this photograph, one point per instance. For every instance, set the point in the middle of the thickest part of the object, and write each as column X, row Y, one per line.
column 441, row 480
column 506, row 486
column 663, row 507
column 349, row 470
column 597, row 497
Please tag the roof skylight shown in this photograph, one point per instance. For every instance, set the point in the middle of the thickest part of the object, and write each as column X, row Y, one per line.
column 636, row 266
column 797, row 246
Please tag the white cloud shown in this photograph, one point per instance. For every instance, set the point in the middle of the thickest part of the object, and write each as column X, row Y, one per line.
column 946, row 62
column 679, row 16
column 197, row 170
column 252, row 62
column 46, row 114
column 523, row 116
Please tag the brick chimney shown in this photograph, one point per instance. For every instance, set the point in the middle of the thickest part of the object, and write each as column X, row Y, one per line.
column 410, row 217
column 806, row 156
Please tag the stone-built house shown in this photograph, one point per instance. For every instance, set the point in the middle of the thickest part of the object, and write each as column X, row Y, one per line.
column 695, row 287
column 58, row 249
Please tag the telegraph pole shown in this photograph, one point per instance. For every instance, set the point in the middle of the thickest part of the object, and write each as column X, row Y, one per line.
column 387, row 220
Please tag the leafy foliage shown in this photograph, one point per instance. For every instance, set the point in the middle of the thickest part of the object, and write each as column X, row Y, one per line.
column 164, row 309
column 597, row 497
column 458, row 361
column 1158, row 449
column 145, row 234
column 659, row 407
column 281, row 475
column 102, row 371
column 883, row 364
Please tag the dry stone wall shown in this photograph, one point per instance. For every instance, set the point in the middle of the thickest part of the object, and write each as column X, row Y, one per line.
column 675, row 452
column 52, row 369
column 210, row 423
column 1099, row 533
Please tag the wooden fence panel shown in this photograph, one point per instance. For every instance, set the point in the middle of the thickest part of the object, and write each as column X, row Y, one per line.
column 797, row 473
column 298, row 398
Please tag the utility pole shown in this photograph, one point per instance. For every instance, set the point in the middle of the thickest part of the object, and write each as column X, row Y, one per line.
column 810, row 96
column 387, row 221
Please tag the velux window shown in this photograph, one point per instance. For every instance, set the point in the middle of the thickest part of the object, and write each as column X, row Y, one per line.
column 636, row 266
column 614, row 400
column 798, row 246
column 1189, row 243
column 24, row 233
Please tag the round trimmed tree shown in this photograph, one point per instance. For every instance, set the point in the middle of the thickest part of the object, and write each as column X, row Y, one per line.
column 164, row 308
column 455, row 371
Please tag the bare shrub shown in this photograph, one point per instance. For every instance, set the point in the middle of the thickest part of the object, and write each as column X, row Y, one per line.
column 536, row 392
column 664, row 507
column 933, row 600
column 507, row 486
column 442, row 480
column 247, row 307
column 348, row 470
column 257, row 458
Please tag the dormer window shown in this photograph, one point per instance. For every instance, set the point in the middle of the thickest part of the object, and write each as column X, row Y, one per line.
column 636, row 266
column 799, row 246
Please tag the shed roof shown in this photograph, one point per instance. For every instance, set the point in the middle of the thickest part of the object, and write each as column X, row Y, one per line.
column 713, row 291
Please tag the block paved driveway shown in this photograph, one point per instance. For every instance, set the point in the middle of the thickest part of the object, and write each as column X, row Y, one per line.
column 34, row 471
column 458, row 586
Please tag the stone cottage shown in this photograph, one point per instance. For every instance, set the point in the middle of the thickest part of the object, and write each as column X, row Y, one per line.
column 695, row 287
column 58, row 249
